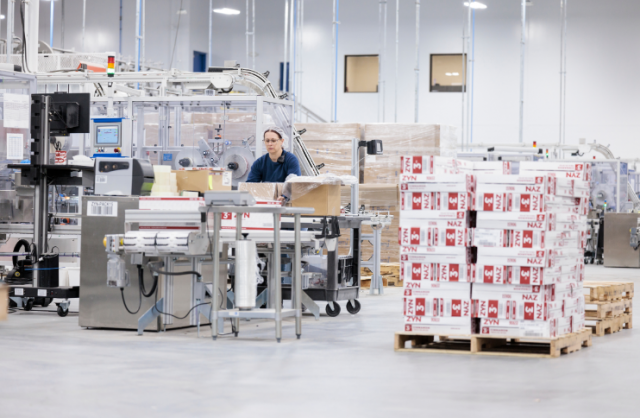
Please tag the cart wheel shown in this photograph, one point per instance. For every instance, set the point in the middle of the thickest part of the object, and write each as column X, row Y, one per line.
column 46, row 302
column 332, row 312
column 62, row 312
column 28, row 305
column 353, row 309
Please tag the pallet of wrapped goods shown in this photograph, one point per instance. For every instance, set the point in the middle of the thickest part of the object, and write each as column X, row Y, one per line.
column 331, row 144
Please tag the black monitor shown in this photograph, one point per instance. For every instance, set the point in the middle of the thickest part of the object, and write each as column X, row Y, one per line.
column 70, row 113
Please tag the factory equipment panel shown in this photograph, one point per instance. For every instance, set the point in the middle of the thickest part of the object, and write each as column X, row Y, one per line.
column 111, row 137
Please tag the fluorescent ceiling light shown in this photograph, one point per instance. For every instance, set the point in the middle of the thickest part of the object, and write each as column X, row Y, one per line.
column 455, row 74
column 1, row 17
column 227, row 11
column 182, row 11
column 475, row 5
column 449, row 74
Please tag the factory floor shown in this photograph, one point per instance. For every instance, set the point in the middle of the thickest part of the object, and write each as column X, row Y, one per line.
column 342, row 366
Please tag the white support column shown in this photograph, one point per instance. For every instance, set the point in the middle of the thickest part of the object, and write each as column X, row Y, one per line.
column 253, row 33
column 142, row 32
column 210, row 32
column 417, row 69
column 10, row 25
column 563, row 72
column 84, row 23
column 523, row 45
column 246, row 32
column 32, row 21
column 334, row 69
column 395, row 95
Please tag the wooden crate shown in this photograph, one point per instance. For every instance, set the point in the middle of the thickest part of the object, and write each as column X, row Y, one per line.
column 4, row 302
column 607, row 291
column 493, row 345
column 602, row 327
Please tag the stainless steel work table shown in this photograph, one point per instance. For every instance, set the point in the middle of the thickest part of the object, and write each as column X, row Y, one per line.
column 277, row 313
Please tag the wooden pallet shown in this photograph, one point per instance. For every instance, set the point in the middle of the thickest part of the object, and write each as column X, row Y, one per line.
column 607, row 291
column 365, row 282
column 493, row 345
column 602, row 310
column 606, row 326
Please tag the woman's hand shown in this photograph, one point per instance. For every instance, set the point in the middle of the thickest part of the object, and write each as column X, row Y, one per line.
column 280, row 199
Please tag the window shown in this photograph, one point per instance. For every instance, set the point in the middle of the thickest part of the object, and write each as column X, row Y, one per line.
column 447, row 72
column 361, row 73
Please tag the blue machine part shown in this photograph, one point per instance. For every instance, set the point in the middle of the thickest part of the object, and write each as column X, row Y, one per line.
column 167, row 157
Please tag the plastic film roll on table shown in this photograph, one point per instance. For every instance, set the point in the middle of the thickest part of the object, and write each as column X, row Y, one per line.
column 246, row 288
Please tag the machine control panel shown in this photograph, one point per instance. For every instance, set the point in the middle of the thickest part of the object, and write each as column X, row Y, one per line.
column 111, row 137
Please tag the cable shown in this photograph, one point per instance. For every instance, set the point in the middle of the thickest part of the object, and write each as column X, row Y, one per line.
column 169, row 273
column 125, row 303
column 175, row 41
column 143, row 289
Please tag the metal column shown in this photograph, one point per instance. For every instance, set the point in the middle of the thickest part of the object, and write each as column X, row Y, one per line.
column 382, row 29
column 334, row 73
column 297, row 276
column 215, row 298
column 563, row 71
column 417, row 69
column 210, row 32
column 10, row 25
column 277, row 277
column 395, row 96
column 523, row 44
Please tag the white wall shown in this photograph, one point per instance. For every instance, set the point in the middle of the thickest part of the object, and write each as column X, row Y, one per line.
column 602, row 87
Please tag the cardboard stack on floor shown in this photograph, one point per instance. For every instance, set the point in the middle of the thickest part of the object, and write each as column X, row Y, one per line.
column 519, row 270
column 434, row 238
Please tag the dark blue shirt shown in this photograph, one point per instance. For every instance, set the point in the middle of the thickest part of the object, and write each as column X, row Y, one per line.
column 264, row 170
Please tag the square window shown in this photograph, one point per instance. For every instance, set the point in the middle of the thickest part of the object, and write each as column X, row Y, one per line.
column 361, row 73
column 447, row 73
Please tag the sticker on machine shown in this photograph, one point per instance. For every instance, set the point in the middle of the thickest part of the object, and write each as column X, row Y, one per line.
column 97, row 208
column 101, row 179
column 226, row 178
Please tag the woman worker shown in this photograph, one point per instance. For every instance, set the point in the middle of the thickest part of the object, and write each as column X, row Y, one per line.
column 275, row 166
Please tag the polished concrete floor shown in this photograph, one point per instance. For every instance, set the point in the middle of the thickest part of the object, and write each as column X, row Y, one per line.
column 342, row 366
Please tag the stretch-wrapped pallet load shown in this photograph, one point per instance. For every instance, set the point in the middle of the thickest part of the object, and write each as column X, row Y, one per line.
column 435, row 250
column 523, row 238
column 401, row 139
column 331, row 144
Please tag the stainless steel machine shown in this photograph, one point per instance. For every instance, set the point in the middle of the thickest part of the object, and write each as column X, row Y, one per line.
column 617, row 251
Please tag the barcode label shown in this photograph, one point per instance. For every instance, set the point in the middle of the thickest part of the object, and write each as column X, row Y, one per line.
column 19, row 292
column 102, row 208
column 101, row 179
column 533, row 333
column 226, row 178
column 42, row 293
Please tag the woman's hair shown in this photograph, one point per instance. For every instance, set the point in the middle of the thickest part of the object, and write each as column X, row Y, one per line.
column 275, row 131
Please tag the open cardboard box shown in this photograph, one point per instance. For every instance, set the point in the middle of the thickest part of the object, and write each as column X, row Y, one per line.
column 325, row 198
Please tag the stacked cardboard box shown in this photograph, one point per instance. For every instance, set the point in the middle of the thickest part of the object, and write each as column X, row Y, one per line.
column 523, row 238
column 435, row 248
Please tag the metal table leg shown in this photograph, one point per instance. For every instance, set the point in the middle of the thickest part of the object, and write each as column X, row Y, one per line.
column 297, row 273
column 236, row 321
column 215, row 300
column 277, row 280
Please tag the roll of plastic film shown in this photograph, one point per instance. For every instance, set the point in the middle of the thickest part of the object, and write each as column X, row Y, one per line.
column 246, row 288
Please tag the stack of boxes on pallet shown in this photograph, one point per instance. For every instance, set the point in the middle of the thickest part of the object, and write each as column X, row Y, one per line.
column 484, row 251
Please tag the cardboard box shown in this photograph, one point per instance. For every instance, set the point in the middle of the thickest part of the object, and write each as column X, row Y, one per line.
column 416, row 236
column 514, row 328
column 443, row 329
column 509, row 188
column 455, row 201
column 251, row 221
column 450, row 237
column 447, row 255
column 440, row 290
column 491, row 202
column 491, row 274
column 325, row 199
column 490, row 237
column 203, row 180
column 512, row 220
column 525, row 202
column 464, row 273
column 436, row 320
column 420, row 306
column 4, row 302
column 170, row 203
column 527, row 239
column 417, row 201
column 417, row 272
column 436, row 183
column 262, row 191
